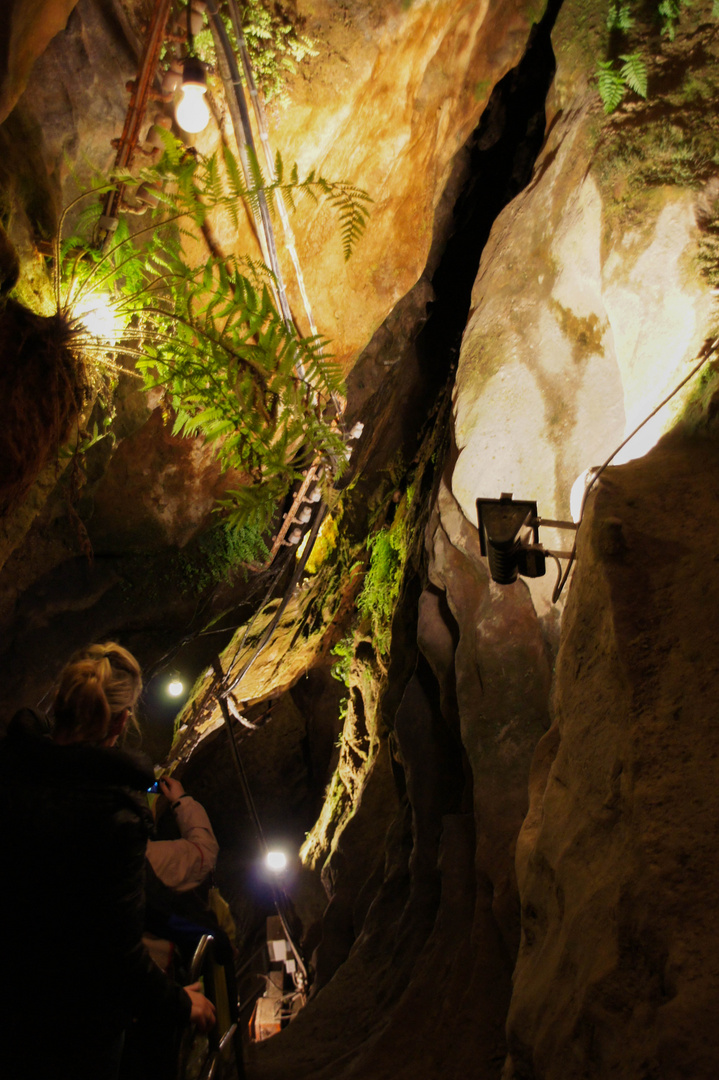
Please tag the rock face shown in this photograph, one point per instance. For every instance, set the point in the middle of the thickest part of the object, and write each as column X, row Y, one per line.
column 429, row 68
column 616, row 863
column 41, row 394
column 595, row 290
column 26, row 29
column 590, row 300
column 423, row 923
column 593, row 295
column 500, row 676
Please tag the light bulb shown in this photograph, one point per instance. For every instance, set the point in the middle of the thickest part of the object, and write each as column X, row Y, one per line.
column 192, row 112
column 175, row 688
column 276, row 861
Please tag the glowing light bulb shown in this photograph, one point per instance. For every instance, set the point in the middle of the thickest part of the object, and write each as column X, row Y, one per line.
column 175, row 688
column 276, row 861
column 97, row 314
column 192, row 112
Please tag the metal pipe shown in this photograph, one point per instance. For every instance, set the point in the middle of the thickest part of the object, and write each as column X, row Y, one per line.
column 140, row 93
column 221, row 33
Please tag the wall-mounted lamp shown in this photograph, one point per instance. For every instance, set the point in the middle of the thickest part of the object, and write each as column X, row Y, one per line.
column 509, row 537
column 192, row 112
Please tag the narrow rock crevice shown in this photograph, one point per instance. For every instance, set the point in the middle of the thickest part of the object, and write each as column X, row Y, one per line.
column 500, row 153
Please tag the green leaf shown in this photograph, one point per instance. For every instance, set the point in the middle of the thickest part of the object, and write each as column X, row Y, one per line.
column 208, row 329
column 634, row 73
column 611, row 85
column 620, row 18
column 669, row 12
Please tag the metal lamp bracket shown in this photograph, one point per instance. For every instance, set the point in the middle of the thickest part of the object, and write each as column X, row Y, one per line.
column 509, row 538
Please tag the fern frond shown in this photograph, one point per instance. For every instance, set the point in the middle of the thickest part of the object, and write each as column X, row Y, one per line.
column 610, row 84
column 619, row 17
column 634, row 73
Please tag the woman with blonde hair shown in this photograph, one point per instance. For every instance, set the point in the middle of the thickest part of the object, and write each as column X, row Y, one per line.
column 97, row 694
column 75, row 827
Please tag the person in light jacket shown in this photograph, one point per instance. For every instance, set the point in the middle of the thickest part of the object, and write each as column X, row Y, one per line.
column 185, row 863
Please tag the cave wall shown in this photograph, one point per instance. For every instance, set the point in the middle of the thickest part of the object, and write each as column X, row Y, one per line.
column 594, row 294
column 26, row 28
column 616, row 973
column 433, row 66
column 594, row 291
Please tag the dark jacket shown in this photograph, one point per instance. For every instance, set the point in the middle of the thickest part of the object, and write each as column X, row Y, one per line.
column 72, row 850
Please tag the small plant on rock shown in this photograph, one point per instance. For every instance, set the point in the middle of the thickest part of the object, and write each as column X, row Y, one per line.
column 380, row 592
column 615, row 75
column 275, row 44
column 613, row 84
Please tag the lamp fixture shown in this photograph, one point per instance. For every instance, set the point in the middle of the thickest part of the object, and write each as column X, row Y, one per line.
column 509, row 538
column 276, row 861
column 192, row 112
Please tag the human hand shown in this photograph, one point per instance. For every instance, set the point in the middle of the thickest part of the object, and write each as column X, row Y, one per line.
column 171, row 789
column 203, row 1011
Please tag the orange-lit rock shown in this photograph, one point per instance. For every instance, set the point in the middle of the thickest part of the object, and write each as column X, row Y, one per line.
column 27, row 27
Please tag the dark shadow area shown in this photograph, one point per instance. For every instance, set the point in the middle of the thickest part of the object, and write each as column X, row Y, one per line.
column 502, row 152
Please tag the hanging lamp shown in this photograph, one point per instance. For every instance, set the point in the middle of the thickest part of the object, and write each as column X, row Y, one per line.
column 192, row 112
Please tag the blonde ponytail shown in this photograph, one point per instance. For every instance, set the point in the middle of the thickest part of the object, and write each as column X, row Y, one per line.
column 99, row 683
column 81, row 709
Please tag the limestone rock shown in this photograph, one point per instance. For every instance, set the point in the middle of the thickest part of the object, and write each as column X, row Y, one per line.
column 616, row 862
column 501, row 678
column 26, row 28
column 590, row 300
column 41, row 396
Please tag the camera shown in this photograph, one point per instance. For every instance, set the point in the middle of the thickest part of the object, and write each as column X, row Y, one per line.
column 154, row 789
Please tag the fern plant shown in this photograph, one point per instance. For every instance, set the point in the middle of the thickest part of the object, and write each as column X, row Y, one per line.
column 669, row 12
column 610, row 84
column 620, row 18
column 207, row 330
column 613, row 83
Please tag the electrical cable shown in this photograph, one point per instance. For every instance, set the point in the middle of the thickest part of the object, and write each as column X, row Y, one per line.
column 261, row 118
column 708, row 351
column 221, row 36
column 255, row 818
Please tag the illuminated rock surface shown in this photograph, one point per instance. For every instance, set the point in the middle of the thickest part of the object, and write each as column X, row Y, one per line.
column 615, row 974
column 434, row 953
